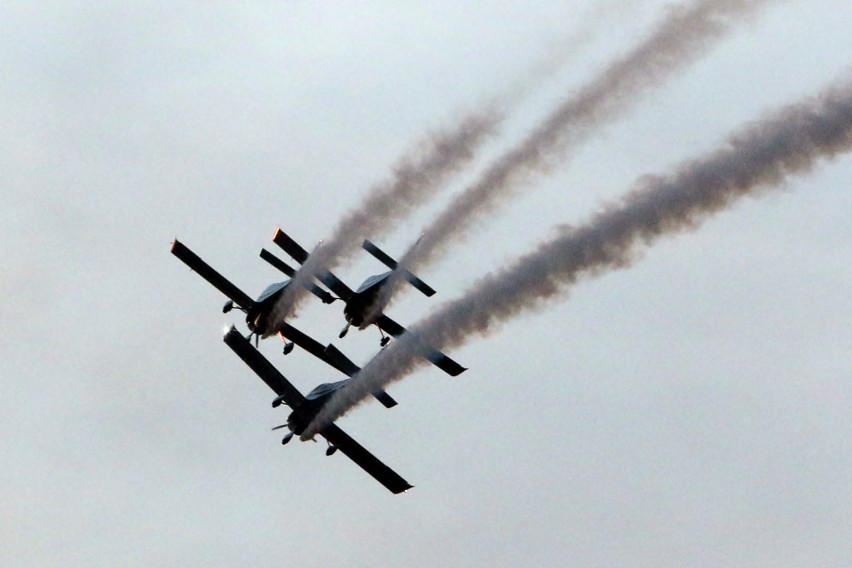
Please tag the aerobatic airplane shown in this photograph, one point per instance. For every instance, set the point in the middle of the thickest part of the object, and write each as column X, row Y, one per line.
column 360, row 309
column 259, row 313
column 306, row 407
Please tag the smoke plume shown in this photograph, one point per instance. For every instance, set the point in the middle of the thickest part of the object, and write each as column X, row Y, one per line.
column 419, row 177
column 414, row 180
column 758, row 157
column 680, row 38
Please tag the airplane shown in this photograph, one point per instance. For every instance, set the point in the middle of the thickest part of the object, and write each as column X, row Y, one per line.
column 359, row 309
column 259, row 313
column 306, row 407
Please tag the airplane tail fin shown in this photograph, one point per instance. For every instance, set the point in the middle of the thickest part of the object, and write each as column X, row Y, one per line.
column 386, row 259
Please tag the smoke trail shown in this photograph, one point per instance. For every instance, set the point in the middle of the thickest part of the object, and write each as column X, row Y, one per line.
column 419, row 177
column 790, row 141
column 415, row 179
column 681, row 37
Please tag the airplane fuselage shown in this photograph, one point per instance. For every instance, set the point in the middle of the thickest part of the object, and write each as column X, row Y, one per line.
column 302, row 416
column 259, row 316
column 360, row 310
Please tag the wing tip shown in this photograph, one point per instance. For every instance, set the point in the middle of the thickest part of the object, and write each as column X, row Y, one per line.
column 230, row 334
column 402, row 489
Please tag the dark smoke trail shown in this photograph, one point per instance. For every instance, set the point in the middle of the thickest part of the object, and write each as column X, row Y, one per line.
column 415, row 179
column 418, row 178
column 762, row 155
column 682, row 36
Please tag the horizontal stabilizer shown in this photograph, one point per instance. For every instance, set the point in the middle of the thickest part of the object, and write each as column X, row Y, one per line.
column 221, row 283
column 382, row 257
column 291, row 272
column 300, row 255
column 339, row 361
column 386, row 399
column 277, row 263
column 385, row 259
column 417, row 283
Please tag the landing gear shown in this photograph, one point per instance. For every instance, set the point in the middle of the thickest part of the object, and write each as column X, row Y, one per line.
column 229, row 305
column 286, row 439
column 288, row 345
column 344, row 331
column 384, row 341
column 331, row 449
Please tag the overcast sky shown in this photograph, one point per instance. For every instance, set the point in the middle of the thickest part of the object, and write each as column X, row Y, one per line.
column 692, row 410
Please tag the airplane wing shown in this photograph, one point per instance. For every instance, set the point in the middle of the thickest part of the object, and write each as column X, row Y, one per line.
column 291, row 272
column 437, row 358
column 290, row 246
column 367, row 461
column 337, row 437
column 264, row 369
column 221, row 283
column 300, row 255
column 332, row 356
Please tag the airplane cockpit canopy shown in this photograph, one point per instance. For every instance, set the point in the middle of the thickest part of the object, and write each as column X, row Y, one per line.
column 325, row 389
column 272, row 289
column 373, row 280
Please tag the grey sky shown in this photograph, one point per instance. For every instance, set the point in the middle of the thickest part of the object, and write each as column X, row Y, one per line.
column 692, row 410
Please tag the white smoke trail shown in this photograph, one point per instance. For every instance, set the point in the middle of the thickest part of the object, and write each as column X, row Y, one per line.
column 760, row 156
